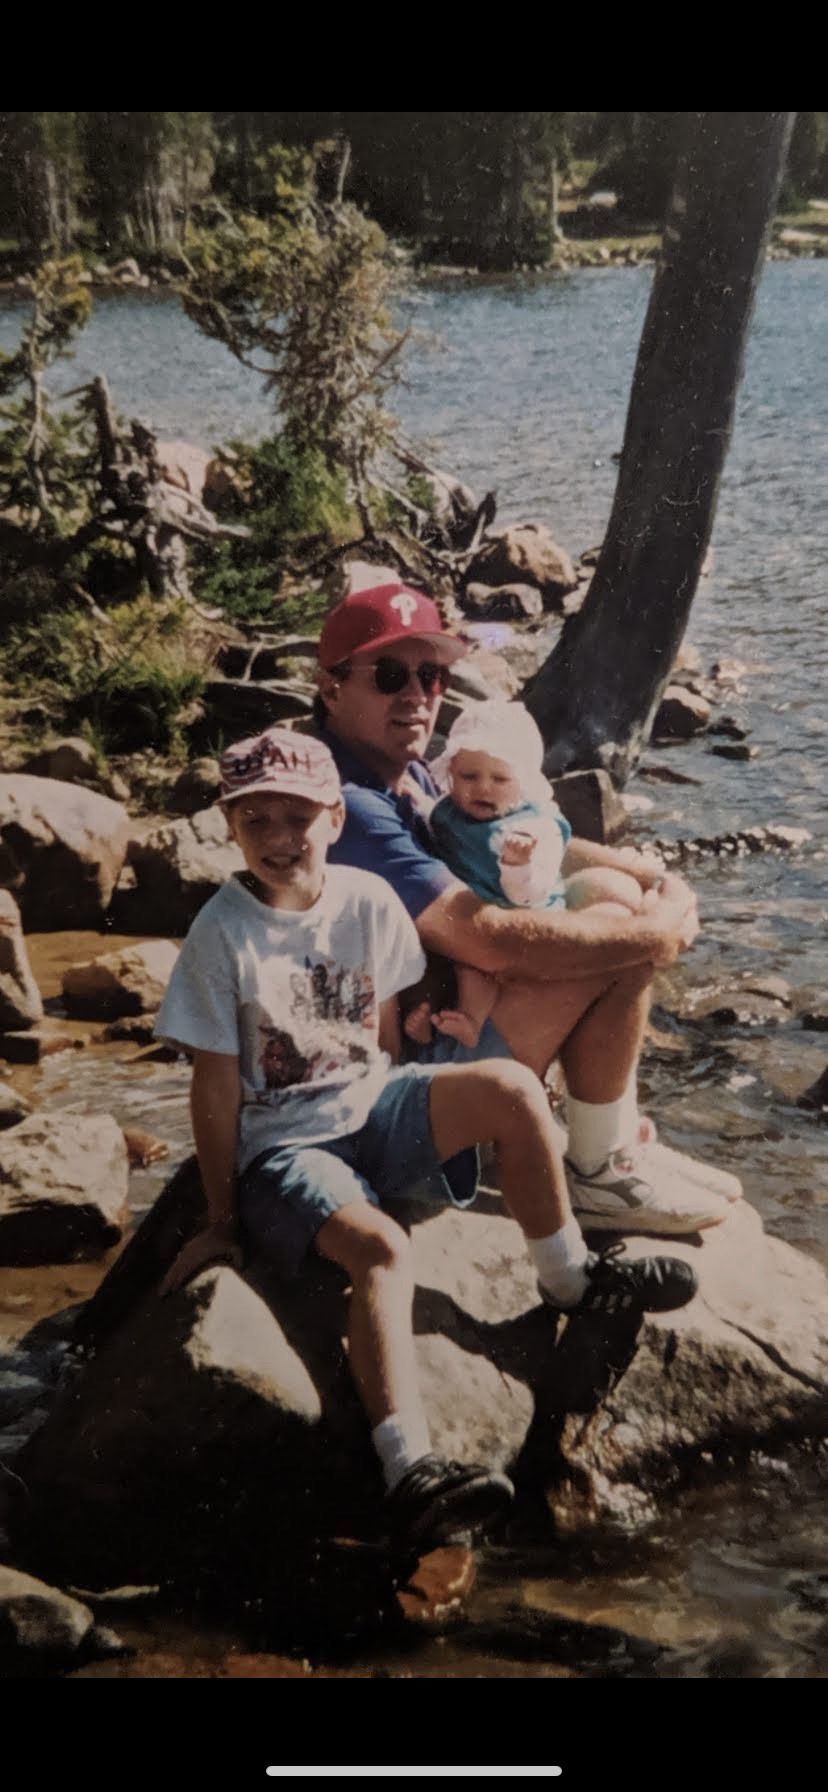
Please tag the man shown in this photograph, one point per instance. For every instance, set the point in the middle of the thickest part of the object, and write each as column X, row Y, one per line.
column 575, row 985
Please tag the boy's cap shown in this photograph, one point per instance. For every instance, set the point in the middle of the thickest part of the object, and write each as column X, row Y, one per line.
column 284, row 763
column 379, row 617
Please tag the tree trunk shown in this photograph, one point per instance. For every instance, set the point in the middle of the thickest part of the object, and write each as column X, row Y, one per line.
column 595, row 697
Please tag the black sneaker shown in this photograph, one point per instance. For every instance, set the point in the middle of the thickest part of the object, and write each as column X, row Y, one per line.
column 633, row 1284
column 436, row 1498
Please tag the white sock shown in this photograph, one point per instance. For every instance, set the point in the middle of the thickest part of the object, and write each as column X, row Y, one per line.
column 597, row 1128
column 400, row 1440
column 559, row 1260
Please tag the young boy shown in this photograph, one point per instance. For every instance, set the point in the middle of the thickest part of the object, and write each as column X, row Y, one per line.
column 286, row 992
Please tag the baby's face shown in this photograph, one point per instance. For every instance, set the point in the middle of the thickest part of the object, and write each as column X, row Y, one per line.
column 483, row 787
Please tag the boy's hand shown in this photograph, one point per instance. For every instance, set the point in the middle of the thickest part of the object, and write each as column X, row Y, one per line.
column 517, row 849
column 214, row 1244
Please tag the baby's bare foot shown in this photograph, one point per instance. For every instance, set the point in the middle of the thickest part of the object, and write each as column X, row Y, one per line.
column 457, row 1025
column 417, row 1024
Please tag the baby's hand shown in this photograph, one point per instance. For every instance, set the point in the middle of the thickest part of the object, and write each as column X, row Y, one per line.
column 644, row 864
column 517, row 849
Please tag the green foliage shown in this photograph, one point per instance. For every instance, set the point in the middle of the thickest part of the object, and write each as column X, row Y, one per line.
column 301, row 297
column 292, row 500
column 42, row 455
column 128, row 682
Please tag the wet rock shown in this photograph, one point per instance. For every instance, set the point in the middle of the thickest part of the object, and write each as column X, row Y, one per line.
column 665, row 774
column 40, row 1626
column 21, row 1048
column 688, row 659
column 591, row 805
column 219, row 1380
column 176, row 867
column 130, row 981
column 815, row 1019
column 19, row 1392
column 680, row 714
column 75, row 761
column 751, row 1002
column 729, row 726
column 738, row 750
column 140, row 1029
column 20, row 999
column 502, row 603
column 63, row 1188
column 197, row 787
column 61, row 850
column 815, row 1098
column 524, row 554
column 436, row 1591
column 13, row 1106
column 787, row 839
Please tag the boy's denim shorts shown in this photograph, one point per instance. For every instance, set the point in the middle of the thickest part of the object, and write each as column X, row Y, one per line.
column 287, row 1194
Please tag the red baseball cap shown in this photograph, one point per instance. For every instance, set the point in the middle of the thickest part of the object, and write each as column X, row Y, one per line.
column 380, row 616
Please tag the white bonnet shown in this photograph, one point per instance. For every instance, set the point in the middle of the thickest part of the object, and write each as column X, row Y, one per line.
column 505, row 731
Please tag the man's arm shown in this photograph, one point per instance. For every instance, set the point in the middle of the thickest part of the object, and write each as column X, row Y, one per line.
column 215, row 1104
column 556, row 944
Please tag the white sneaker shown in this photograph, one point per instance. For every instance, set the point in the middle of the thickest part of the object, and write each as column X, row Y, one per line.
column 668, row 1162
column 632, row 1193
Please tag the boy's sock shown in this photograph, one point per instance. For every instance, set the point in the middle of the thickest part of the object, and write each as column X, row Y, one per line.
column 559, row 1260
column 597, row 1128
column 400, row 1440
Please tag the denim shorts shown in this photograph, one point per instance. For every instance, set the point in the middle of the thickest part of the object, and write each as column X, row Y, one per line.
column 285, row 1195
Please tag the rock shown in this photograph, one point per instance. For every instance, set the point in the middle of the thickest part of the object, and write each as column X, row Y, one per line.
column 680, row 714
column 197, row 787
column 591, row 805
column 126, row 269
column 130, row 981
column 688, row 659
column 787, row 839
column 13, row 1107
column 815, row 1098
column 815, row 1019
column 21, row 1048
column 20, row 999
column 729, row 726
column 746, row 1362
column 502, row 603
column 754, row 1001
column 61, row 850
column 483, row 674
column 235, row 708
column 738, row 750
column 176, row 867
column 40, row 1626
column 63, row 1188
column 19, row 1392
column 140, row 1029
column 219, row 1380
column 524, row 554
column 184, row 466
column 74, row 761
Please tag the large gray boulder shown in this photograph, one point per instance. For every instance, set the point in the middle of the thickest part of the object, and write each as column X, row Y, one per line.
column 174, row 869
column 63, row 1188
column 20, row 1000
column 524, row 554
column 61, row 850
column 222, row 1423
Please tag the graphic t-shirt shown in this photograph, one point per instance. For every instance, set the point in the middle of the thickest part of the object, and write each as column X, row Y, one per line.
column 295, row 995
column 473, row 849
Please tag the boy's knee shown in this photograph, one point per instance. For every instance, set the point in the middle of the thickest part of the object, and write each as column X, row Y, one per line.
column 511, row 1089
column 378, row 1243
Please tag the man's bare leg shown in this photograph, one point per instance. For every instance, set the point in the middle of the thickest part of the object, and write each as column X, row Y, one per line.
column 595, row 1026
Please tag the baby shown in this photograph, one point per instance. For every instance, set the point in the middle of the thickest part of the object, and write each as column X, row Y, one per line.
column 501, row 832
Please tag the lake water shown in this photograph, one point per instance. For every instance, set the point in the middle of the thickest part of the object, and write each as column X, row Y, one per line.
column 521, row 385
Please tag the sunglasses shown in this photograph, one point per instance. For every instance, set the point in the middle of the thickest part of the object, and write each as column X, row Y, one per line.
column 391, row 675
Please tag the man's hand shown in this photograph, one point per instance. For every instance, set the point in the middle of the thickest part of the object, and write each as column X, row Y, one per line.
column 672, row 906
column 214, row 1244
column 517, row 849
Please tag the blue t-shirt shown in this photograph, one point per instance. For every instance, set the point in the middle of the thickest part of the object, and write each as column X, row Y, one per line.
column 386, row 833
